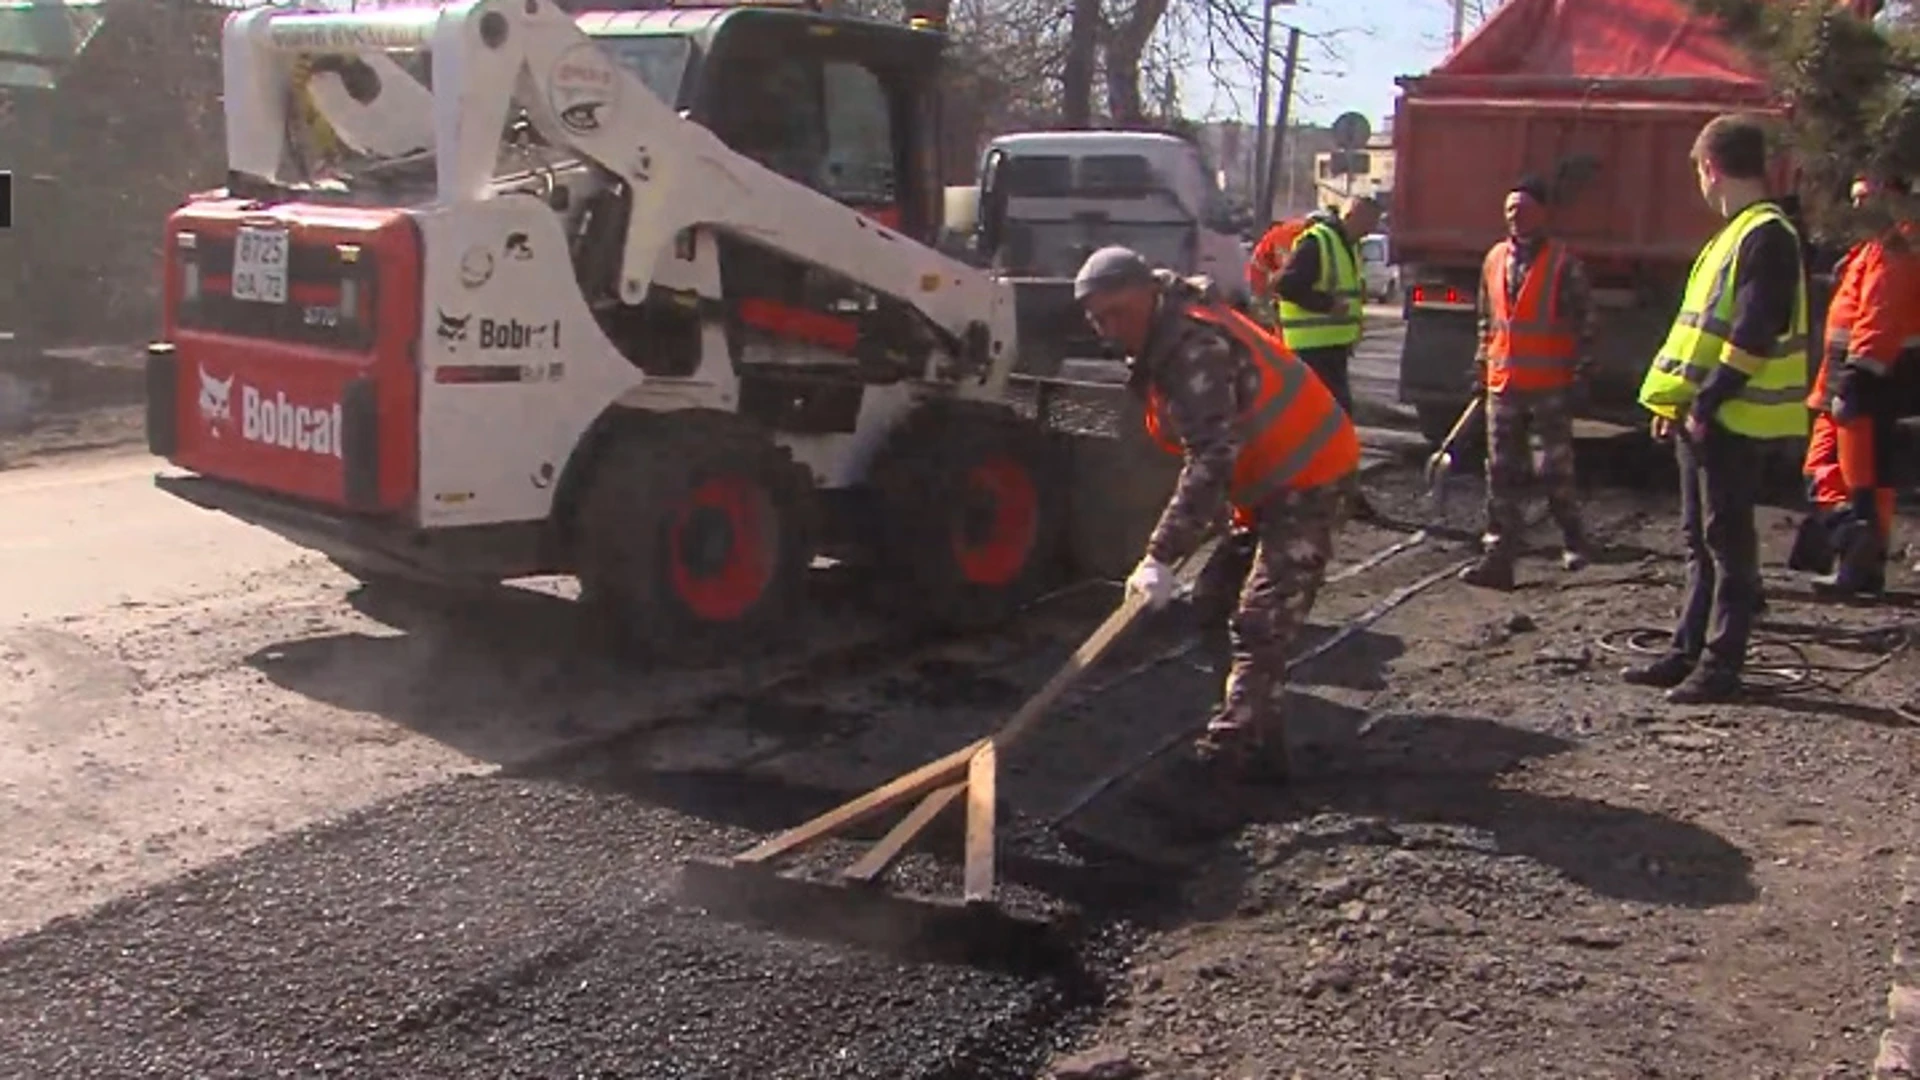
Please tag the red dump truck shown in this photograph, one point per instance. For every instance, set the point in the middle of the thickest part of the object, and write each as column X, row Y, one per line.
column 1609, row 95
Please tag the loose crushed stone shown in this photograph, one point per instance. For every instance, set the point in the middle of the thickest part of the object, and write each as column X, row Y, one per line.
column 490, row 928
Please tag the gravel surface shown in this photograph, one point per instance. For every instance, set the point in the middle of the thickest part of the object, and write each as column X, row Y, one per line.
column 486, row 927
column 152, row 737
column 1495, row 860
column 1514, row 866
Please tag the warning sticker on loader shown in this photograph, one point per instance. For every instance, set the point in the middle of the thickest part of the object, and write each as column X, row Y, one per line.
column 584, row 89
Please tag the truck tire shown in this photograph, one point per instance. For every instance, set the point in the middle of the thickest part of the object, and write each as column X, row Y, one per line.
column 970, row 514
column 694, row 538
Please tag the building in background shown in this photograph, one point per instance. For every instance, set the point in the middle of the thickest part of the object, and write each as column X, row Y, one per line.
column 1367, row 171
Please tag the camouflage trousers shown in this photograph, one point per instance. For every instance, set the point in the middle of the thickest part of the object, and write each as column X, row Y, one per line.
column 1515, row 423
column 1295, row 530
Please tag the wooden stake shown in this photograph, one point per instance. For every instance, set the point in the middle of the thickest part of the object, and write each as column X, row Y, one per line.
column 885, row 853
column 981, row 804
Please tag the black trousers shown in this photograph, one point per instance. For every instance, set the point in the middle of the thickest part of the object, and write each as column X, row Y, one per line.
column 1330, row 363
column 1719, row 486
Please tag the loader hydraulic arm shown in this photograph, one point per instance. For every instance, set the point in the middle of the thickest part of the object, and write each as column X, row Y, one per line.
column 488, row 54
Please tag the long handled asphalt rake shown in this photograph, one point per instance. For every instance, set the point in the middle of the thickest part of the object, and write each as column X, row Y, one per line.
column 975, row 928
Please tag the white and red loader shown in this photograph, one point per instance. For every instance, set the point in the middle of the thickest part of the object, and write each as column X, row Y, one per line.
column 536, row 314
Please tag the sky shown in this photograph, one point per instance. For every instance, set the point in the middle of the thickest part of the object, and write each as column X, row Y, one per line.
column 1376, row 40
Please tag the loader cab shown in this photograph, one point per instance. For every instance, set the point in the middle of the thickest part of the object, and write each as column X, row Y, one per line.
column 845, row 106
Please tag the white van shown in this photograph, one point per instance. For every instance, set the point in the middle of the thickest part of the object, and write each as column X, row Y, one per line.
column 1380, row 276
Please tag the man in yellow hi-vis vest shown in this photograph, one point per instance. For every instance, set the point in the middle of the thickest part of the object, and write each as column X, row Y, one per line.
column 1731, row 376
column 1321, row 299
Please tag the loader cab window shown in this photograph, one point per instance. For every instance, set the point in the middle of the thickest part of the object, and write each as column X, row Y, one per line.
column 776, row 119
column 858, row 117
column 658, row 60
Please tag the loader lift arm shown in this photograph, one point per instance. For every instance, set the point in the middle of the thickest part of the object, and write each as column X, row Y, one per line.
column 680, row 175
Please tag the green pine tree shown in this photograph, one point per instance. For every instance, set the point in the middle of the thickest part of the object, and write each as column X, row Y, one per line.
column 1851, row 83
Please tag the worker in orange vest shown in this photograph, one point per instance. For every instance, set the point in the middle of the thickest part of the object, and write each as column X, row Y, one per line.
column 1536, row 329
column 1873, row 321
column 1269, row 258
column 1262, row 438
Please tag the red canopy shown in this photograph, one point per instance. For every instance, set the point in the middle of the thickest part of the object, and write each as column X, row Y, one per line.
column 1602, row 39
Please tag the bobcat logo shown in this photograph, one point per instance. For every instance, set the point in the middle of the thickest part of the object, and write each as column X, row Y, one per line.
column 216, row 402
column 453, row 330
column 517, row 248
column 583, row 117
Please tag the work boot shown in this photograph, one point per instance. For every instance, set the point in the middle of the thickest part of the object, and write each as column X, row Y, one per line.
column 1812, row 551
column 1243, row 755
column 1364, row 510
column 1705, row 686
column 1493, row 571
column 1666, row 672
column 1862, row 569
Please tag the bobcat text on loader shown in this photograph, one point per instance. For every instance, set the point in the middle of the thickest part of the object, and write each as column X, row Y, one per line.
column 645, row 297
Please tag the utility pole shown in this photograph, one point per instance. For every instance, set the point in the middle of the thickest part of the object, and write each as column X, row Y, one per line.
column 1282, row 112
column 1459, row 21
column 1259, row 173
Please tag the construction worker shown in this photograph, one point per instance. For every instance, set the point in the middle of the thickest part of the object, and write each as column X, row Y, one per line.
column 1731, row 376
column 1321, row 301
column 1537, row 328
column 1263, row 439
column 1269, row 258
column 1873, row 319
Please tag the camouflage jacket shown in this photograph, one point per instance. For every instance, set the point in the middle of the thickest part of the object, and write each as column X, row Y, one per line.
column 1204, row 382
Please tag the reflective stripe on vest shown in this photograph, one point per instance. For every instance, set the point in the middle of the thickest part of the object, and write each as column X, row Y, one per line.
column 1839, row 341
column 1771, row 404
column 1340, row 277
column 1530, row 347
column 1293, row 435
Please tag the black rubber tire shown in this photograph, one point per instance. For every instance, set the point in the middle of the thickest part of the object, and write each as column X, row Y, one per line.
column 921, row 480
column 641, row 486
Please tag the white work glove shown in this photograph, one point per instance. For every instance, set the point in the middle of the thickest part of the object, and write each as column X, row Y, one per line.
column 1152, row 582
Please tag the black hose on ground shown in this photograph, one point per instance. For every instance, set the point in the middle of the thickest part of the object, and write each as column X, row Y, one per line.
column 1781, row 661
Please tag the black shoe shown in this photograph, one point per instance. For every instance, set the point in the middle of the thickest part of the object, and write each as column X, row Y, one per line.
column 1668, row 671
column 1858, row 583
column 1705, row 686
column 1812, row 551
column 1491, row 572
column 1364, row 510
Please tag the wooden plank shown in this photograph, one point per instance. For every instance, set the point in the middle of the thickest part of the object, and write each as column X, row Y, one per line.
column 883, row 854
column 982, row 773
column 914, row 785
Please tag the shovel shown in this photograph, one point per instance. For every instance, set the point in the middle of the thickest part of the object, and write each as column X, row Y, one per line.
column 1441, row 463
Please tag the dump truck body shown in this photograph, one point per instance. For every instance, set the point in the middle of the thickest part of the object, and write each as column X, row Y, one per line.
column 1608, row 96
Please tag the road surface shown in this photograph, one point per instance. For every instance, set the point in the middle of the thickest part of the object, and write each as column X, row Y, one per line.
column 1375, row 372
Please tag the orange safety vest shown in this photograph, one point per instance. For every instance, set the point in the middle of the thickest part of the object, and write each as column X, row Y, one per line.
column 1872, row 337
column 1531, row 347
column 1293, row 435
column 1270, row 254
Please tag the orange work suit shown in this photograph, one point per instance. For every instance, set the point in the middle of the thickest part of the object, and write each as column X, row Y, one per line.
column 1874, row 319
